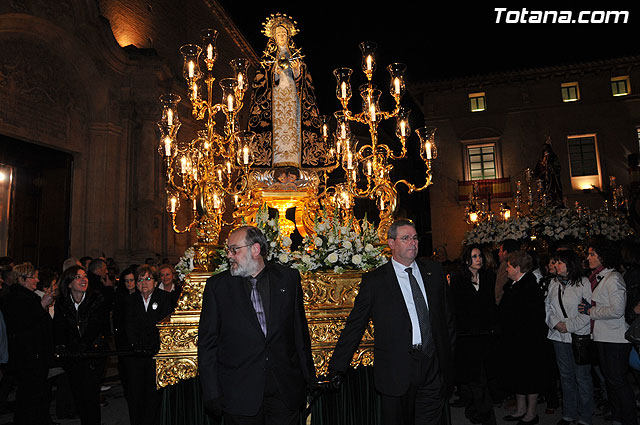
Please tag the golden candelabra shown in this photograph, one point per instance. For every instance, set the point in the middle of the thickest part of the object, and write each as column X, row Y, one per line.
column 216, row 164
column 367, row 167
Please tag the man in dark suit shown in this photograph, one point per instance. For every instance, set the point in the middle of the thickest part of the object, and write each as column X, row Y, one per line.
column 254, row 351
column 414, row 333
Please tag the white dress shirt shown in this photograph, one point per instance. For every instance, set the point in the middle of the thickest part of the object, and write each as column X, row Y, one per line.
column 405, row 287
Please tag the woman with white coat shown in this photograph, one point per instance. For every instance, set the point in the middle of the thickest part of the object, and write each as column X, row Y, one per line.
column 566, row 291
column 606, row 311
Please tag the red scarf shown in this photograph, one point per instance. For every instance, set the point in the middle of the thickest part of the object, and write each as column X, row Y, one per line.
column 593, row 278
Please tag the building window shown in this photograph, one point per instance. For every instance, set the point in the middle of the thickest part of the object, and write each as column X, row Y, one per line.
column 477, row 102
column 620, row 86
column 584, row 163
column 570, row 92
column 482, row 161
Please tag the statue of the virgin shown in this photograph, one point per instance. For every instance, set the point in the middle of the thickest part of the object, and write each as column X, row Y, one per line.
column 284, row 114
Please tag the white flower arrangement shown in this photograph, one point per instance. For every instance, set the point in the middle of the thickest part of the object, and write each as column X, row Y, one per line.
column 185, row 264
column 339, row 247
column 612, row 226
column 554, row 224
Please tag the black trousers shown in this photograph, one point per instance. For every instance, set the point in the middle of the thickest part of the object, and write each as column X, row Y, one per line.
column 85, row 376
column 274, row 411
column 423, row 403
column 614, row 364
column 143, row 398
column 31, row 406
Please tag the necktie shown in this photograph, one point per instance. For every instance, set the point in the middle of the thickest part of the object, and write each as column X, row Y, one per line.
column 423, row 314
column 256, row 300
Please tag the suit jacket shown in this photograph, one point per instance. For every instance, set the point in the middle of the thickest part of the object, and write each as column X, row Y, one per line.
column 234, row 354
column 381, row 300
column 140, row 325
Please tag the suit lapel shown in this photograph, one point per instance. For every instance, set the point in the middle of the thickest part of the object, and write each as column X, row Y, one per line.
column 239, row 287
column 395, row 293
column 276, row 289
column 427, row 281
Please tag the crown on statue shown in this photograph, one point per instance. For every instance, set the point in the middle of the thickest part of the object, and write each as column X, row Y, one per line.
column 279, row 20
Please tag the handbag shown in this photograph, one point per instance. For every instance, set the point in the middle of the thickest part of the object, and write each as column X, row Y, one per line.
column 581, row 345
column 633, row 333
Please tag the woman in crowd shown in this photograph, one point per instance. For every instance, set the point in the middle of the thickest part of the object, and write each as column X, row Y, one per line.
column 80, row 324
column 169, row 282
column 126, row 285
column 473, row 292
column 143, row 311
column 606, row 310
column 566, row 291
column 521, row 313
column 30, row 345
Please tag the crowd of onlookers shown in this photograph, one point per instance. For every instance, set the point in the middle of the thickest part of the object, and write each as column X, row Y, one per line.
column 550, row 326
column 59, row 328
column 519, row 314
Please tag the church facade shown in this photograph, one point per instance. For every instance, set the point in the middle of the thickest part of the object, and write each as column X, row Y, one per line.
column 79, row 87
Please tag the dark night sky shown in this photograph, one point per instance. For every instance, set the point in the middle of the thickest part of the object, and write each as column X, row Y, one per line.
column 436, row 41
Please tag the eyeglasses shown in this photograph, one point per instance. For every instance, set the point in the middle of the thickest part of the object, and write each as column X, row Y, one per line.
column 234, row 249
column 144, row 279
column 408, row 238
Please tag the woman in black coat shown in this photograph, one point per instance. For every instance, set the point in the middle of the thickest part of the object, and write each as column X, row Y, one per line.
column 80, row 324
column 473, row 292
column 144, row 309
column 30, row 346
column 522, row 320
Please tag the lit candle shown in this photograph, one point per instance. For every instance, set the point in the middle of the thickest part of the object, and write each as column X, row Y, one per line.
column 381, row 204
column 428, row 149
column 216, row 201
column 369, row 168
column 235, row 199
column 396, row 85
column 230, row 103
column 240, row 81
column 403, row 128
column 167, row 146
column 195, row 91
column 372, row 112
column 169, row 117
column 325, row 130
column 245, row 155
column 339, row 147
column 343, row 130
column 173, row 204
column 343, row 90
column 349, row 160
column 183, row 165
column 210, row 51
column 219, row 174
column 191, row 69
column 194, row 205
column 228, row 167
column 369, row 63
